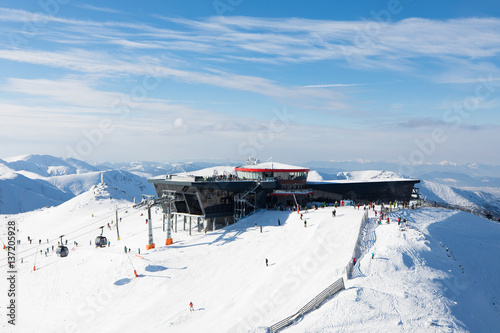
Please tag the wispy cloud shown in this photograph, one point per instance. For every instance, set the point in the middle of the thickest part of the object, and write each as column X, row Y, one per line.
column 100, row 9
column 334, row 85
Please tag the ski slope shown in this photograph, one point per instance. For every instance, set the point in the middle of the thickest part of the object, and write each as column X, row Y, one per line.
column 223, row 272
column 438, row 275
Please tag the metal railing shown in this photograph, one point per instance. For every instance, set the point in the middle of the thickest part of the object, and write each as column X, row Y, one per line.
column 313, row 304
column 476, row 211
column 350, row 265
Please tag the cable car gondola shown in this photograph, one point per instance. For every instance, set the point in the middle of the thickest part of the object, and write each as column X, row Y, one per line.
column 62, row 251
column 101, row 241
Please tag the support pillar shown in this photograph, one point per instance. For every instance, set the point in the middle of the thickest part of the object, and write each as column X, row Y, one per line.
column 190, row 225
column 151, row 244
column 175, row 223
column 169, row 240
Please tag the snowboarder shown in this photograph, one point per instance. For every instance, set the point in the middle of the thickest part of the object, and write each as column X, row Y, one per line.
column 191, row 306
column 267, row 262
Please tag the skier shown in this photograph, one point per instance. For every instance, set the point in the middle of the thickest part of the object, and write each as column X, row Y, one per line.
column 305, row 224
column 399, row 220
column 125, row 248
column 373, row 255
column 301, row 216
column 354, row 261
column 334, row 212
column 260, row 229
column 279, row 223
column 139, row 250
column 191, row 306
column 267, row 262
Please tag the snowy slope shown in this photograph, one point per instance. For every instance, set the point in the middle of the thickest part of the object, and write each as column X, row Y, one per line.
column 455, row 196
column 369, row 174
column 222, row 272
column 46, row 165
column 211, row 171
column 440, row 275
column 414, row 284
column 34, row 181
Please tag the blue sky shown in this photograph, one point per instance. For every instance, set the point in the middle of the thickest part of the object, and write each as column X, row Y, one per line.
column 408, row 81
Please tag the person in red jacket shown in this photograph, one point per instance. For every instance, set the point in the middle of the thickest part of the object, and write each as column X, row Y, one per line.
column 191, row 306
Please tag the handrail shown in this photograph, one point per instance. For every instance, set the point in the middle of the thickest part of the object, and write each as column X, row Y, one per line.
column 312, row 304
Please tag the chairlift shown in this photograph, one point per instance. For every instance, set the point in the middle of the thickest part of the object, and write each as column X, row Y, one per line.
column 62, row 251
column 101, row 241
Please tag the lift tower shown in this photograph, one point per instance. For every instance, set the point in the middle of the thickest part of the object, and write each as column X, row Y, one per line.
column 149, row 201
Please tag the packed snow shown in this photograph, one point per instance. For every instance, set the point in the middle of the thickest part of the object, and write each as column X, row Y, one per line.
column 222, row 272
column 439, row 274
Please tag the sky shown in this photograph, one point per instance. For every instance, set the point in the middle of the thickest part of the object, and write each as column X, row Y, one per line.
column 399, row 81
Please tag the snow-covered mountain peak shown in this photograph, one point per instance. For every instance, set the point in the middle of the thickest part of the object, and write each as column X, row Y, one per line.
column 368, row 174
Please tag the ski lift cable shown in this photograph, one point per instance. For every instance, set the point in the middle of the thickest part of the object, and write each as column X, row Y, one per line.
column 74, row 237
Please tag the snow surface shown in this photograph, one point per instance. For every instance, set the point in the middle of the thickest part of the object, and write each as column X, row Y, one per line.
column 438, row 275
column 222, row 272
column 414, row 284
column 32, row 182
column 272, row 165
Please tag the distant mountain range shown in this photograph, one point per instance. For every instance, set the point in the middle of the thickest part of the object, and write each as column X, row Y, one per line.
column 34, row 181
column 31, row 182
